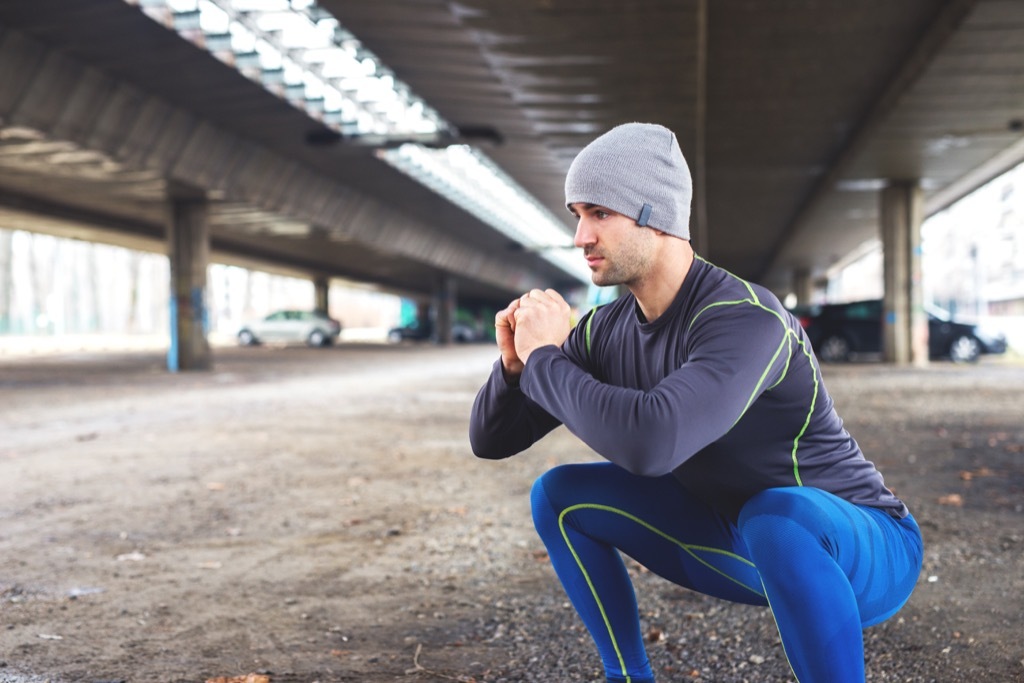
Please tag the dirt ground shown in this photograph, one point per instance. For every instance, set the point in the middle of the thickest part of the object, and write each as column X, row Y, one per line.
column 316, row 515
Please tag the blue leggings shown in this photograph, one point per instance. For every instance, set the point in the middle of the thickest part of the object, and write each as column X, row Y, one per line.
column 826, row 567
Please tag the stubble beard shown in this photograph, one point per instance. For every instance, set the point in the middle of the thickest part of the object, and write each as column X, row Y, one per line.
column 631, row 264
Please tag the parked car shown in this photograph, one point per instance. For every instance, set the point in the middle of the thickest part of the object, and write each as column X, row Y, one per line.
column 424, row 330
column 311, row 327
column 840, row 331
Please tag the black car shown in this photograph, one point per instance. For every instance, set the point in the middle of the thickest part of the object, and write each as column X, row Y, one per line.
column 840, row 331
column 423, row 331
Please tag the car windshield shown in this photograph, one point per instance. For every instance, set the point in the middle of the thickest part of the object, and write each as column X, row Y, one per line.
column 938, row 313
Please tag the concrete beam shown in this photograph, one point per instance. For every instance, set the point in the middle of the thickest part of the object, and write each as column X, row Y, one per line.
column 941, row 30
column 803, row 286
column 904, row 325
column 444, row 309
column 188, row 246
column 46, row 90
column 321, row 294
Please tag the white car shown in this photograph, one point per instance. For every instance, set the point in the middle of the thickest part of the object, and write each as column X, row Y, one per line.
column 311, row 327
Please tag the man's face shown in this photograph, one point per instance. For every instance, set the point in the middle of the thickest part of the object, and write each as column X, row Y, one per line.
column 618, row 251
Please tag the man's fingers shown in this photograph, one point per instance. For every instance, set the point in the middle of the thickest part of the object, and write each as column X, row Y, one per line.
column 537, row 296
column 506, row 316
column 555, row 296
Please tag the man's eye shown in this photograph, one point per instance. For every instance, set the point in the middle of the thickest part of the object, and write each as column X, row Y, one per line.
column 601, row 214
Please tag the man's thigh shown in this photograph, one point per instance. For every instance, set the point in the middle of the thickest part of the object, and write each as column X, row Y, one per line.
column 658, row 523
column 879, row 555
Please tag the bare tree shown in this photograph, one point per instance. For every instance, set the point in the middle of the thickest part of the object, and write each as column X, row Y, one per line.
column 134, row 271
column 6, row 279
column 37, row 283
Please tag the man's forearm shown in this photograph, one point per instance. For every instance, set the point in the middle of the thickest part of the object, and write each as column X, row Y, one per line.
column 503, row 421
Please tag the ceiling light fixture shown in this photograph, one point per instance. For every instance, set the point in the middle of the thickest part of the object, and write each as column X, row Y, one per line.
column 469, row 179
column 301, row 53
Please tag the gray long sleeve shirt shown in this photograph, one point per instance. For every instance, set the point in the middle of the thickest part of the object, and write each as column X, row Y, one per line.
column 722, row 391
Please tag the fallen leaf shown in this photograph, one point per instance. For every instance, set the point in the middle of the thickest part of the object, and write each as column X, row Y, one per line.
column 215, row 486
column 954, row 499
column 131, row 557
column 248, row 678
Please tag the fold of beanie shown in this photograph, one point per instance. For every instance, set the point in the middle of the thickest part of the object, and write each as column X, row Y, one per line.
column 638, row 170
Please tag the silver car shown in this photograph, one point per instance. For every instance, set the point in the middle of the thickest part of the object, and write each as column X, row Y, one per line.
column 311, row 327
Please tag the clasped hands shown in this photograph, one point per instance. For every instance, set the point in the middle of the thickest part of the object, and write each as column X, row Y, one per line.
column 537, row 318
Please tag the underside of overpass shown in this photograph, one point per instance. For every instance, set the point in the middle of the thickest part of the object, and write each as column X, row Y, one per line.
column 794, row 116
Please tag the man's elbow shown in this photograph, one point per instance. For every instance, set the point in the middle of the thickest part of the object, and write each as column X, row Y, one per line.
column 487, row 448
column 479, row 446
column 484, row 453
column 646, row 464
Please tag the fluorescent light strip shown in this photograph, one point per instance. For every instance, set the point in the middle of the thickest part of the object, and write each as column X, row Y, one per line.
column 469, row 179
column 302, row 54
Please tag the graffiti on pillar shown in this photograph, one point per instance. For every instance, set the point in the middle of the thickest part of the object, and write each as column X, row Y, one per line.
column 172, row 350
column 200, row 315
column 188, row 315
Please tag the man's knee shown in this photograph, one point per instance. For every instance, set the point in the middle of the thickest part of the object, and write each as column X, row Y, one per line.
column 545, row 494
column 550, row 496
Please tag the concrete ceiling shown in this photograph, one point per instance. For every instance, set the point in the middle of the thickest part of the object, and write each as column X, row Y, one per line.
column 792, row 114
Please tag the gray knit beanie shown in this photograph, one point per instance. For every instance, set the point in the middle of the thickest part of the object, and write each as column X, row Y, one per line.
column 638, row 170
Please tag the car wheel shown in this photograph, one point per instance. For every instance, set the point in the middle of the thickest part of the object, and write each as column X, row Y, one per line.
column 834, row 349
column 394, row 336
column 317, row 338
column 246, row 338
column 964, row 349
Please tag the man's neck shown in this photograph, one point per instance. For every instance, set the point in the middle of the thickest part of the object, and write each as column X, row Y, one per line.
column 657, row 291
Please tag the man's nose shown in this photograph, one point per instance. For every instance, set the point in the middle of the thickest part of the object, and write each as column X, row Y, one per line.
column 584, row 235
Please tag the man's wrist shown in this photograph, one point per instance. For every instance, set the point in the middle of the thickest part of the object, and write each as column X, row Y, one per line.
column 511, row 377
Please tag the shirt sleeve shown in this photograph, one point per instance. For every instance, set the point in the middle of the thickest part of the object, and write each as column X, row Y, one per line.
column 734, row 353
column 504, row 421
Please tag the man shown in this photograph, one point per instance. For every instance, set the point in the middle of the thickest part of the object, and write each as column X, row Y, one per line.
column 728, row 470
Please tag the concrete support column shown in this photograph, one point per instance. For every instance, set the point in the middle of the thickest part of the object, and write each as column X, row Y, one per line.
column 803, row 286
column 188, row 246
column 444, row 309
column 321, row 290
column 904, row 325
